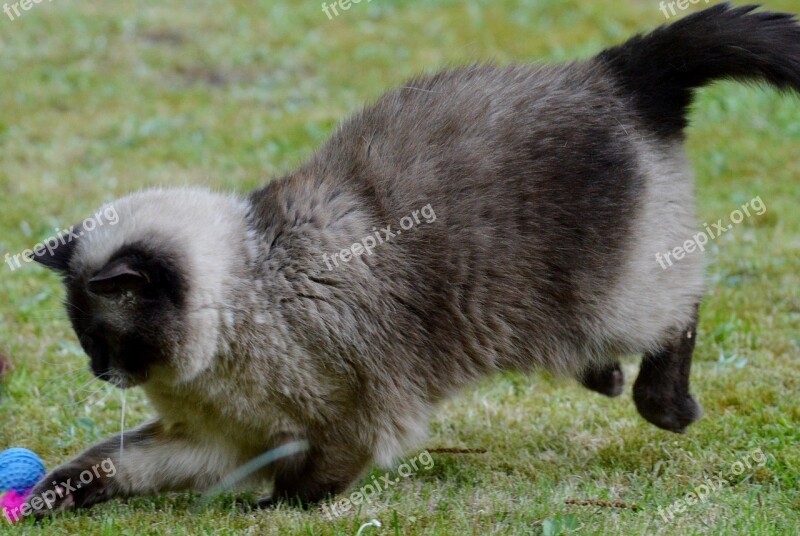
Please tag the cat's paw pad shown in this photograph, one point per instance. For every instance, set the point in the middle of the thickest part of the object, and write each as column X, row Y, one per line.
column 673, row 413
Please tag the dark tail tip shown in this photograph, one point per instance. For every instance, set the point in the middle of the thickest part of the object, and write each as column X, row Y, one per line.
column 660, row 70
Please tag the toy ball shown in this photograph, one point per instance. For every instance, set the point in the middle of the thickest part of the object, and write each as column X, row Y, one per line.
column 20, row 470
column 11, row 503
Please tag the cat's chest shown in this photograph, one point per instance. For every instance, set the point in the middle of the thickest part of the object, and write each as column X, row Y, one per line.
column 230, row 413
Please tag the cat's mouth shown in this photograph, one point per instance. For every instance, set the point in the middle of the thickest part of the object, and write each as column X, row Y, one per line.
column 120, row 379
column 108, row 363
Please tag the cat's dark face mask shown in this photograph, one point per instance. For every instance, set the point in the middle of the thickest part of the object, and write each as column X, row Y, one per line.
column 125, row 313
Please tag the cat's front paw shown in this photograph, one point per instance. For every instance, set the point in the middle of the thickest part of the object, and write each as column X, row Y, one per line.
column 67, row 487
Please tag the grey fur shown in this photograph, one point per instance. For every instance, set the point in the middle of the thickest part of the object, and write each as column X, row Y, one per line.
column 551, row 191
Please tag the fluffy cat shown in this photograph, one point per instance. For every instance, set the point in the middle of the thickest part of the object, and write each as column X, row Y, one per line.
column 481, row 219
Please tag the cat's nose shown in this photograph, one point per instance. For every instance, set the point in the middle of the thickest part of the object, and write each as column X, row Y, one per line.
column 100, row 363
column 98, row 353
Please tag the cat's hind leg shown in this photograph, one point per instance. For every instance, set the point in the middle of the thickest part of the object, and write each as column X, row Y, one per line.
column 661, row 391
column 310, row 477
column 607, row 379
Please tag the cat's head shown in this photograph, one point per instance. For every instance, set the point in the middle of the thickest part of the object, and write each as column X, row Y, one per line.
column 146, row 277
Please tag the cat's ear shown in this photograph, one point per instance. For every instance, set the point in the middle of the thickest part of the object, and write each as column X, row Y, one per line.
column 118, row 276
column 56, row 252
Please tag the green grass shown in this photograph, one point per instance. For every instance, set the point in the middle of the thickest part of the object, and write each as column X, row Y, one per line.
column 102, row 98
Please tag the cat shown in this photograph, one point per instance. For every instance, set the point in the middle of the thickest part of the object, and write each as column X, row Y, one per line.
column 482, row 219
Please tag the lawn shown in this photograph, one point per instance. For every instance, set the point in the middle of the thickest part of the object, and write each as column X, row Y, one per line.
column 99, row 99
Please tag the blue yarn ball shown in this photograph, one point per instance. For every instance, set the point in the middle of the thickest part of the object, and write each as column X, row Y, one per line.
column 20, row 470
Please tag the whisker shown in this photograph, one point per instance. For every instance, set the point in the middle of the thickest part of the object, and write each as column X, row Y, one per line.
column 84, row 399
column 78, row 376
column 60, row 387
column 84, row 385
column 105, row 397
column 73, row 306
column 38, row 316
column 254, row 465
column 122, row 425
column 57, row 364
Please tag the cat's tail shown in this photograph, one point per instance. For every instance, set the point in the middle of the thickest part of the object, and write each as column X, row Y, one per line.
column 660, row 70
